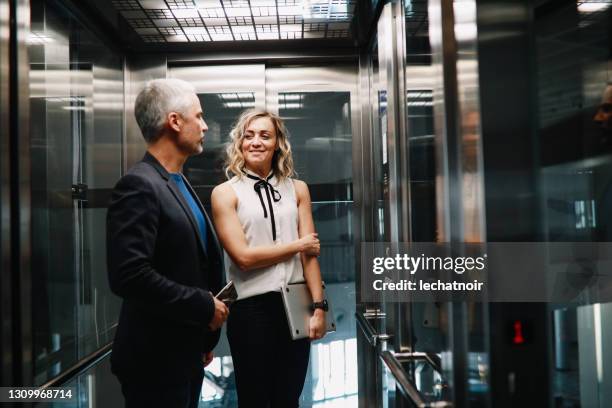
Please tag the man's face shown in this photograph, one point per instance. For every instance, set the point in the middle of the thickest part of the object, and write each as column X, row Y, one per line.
column 190, row 138
column 604, row 113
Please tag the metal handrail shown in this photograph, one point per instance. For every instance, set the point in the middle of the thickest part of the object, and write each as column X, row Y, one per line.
column 80, row 367
column 408, row 389
column 368, row 330
column 432, row 359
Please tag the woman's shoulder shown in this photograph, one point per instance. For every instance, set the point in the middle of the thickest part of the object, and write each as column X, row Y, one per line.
column 298, row 184
column 301, row 188
column 224, row 191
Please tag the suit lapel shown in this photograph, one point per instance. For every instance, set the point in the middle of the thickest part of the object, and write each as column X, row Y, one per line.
column 185, row 205
column 151, row 160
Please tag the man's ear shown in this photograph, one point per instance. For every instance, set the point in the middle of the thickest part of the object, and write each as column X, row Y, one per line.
column 174, row 121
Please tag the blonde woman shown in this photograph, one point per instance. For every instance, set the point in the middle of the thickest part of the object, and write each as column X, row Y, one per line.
column 264, row 221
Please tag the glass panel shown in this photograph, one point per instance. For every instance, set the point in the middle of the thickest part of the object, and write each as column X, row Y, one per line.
column 421, row 81
column 76, row 107
column 378, row 104
column 574, row 99
column 95, row 387
column 221, row 110
column 319, row 124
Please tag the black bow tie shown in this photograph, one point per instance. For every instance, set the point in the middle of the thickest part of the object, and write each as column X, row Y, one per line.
column 265, row 185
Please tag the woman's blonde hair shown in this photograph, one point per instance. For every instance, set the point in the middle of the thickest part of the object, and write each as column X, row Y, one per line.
column 282, row 161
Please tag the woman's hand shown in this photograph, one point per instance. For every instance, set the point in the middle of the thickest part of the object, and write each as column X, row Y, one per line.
column 309, row 244
column 318, row 327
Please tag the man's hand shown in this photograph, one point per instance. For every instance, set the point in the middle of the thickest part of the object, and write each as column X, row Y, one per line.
column 220, row 316
column 317, row 325
column 208, row 358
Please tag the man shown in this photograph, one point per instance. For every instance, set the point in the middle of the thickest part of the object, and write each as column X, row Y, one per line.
column 164, row 258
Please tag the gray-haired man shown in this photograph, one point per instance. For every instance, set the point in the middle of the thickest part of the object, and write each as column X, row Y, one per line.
column 164, row 258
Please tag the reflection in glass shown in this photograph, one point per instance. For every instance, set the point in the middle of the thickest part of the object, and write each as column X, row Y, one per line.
column 221, row 110
column 575, row 142
column 76, row 108
column 319, row 125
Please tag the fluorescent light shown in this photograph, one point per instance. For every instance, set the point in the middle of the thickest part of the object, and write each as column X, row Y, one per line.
column 176, row 38
column 287, row 28
column 238, row 12
column 195, row 30
column 592, row 7
column 221, row 37
column 290, row 11
column 239, row 104
column 186, row 13
column 243, row 29
column 291, row 105
column 292, row 97
column 267, row 36
column 263, row 3
column 212, row 12
column 39, row 38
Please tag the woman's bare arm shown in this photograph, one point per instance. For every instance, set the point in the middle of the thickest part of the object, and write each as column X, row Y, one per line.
column 310, row 263
column 224, row 203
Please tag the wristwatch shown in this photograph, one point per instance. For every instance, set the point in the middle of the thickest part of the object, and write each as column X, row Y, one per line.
column 320, row 305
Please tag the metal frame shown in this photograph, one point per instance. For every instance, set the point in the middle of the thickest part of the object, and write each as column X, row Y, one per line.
column 5, row 199
column 21, row 196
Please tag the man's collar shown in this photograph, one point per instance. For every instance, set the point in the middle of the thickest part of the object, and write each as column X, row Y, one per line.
column 149, row 158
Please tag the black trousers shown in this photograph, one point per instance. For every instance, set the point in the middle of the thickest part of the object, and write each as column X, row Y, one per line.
column 270, row 366
column 147, row 395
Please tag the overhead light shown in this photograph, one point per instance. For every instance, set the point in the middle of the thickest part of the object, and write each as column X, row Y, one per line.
column 239, row 104
column 186, row 13
column 290, row 10
column 238, row 12
column 292, row 97
column 288, row 28
column 39, row 38
column 291, row 105
column 243, row 29
column 592, row 7
column 221, row 37
column 195, row 30
column 212, row 12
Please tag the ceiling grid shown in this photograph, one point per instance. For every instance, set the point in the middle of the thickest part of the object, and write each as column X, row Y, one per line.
column 168, row 21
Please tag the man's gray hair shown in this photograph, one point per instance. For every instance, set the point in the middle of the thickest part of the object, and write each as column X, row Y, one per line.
column 158, row 98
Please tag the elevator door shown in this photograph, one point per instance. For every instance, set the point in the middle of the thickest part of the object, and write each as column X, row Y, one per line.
column 317, row 105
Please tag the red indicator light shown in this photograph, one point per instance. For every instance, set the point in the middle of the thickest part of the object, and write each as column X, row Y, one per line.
column 518, row 333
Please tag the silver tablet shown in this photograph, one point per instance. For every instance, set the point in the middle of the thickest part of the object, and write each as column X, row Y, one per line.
column 297, row 300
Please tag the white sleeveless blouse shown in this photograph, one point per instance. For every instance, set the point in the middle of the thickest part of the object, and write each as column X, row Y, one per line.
column 258, row 232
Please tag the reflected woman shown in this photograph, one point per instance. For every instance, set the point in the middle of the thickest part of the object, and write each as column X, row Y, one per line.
column 264, row 220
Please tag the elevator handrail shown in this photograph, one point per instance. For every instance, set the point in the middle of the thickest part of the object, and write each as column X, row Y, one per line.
column 405, row 385
column 80, row 367
column 368, row 330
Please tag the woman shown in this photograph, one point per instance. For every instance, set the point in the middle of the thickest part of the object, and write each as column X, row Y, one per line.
column 264, row 221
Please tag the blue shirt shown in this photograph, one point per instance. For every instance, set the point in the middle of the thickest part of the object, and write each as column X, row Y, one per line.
column 195, row 209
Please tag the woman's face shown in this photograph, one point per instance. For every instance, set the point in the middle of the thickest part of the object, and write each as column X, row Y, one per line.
column 259, row 142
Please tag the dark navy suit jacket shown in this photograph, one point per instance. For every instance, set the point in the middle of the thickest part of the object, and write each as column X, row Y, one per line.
column 158, row 264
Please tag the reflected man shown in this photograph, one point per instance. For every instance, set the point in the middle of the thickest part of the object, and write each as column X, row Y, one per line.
column 604, row 111
column 164, row 258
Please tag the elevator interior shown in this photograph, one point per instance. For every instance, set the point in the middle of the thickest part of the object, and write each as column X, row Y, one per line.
column 411, row 121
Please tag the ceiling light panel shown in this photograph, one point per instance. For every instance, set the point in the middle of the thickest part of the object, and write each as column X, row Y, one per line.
column 153, row 4
column 186, row 13
column 237, row 20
